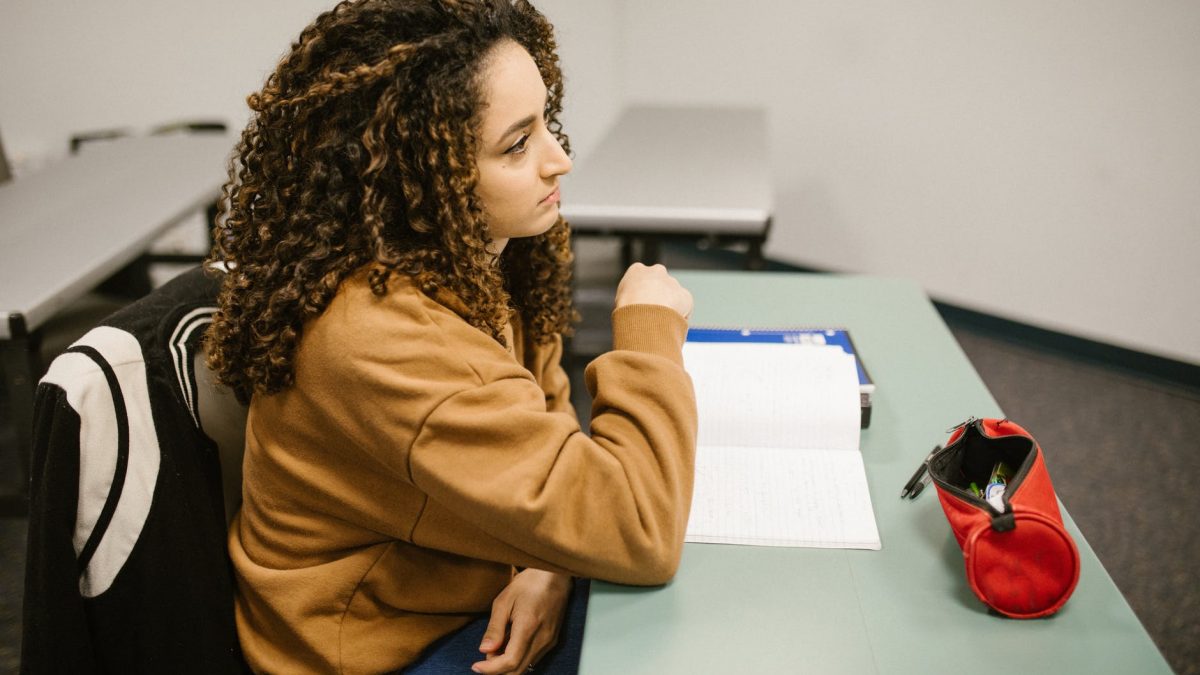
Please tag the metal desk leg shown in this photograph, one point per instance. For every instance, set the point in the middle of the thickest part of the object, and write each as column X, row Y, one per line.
column 643, row 249
column 651, row 250
column 19, row 360
column 754, row 257
column 626, row 251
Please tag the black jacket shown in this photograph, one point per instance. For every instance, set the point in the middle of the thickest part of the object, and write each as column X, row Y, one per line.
column 127, row 569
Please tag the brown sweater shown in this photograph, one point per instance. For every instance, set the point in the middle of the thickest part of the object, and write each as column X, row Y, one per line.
column 389, row 492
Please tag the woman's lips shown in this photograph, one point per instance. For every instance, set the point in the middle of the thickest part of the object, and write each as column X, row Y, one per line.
column 551, row 198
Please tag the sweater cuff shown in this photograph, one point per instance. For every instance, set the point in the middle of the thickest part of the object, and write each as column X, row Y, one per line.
column 653, row 329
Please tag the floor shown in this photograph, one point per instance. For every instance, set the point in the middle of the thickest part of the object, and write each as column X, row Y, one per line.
column 1123, row 452
column 1122, row 449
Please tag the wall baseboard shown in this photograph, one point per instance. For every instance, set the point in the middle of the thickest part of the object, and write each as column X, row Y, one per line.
column 1104, row 354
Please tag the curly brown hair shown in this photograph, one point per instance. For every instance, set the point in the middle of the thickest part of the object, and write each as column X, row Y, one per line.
column 361, row 151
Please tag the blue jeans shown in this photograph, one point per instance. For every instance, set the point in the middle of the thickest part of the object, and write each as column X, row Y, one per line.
column 455, row 653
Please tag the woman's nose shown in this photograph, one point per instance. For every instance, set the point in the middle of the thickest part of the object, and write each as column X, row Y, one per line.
column 557, row 162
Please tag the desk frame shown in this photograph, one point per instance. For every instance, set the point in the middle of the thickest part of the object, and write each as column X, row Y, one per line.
column 644, row 245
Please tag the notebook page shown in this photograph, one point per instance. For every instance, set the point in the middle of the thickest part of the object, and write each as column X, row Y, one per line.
column 777, row 458
column 774, row 395
column 782, row 497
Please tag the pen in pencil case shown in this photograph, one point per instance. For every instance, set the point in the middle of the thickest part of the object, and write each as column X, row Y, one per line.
column 996, row 486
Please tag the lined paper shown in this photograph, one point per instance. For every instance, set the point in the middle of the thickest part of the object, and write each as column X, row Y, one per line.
column 778, row 461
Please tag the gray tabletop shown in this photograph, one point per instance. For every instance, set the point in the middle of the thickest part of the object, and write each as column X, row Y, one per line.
column 905, row 609
column 67, row 227
column 670, row 169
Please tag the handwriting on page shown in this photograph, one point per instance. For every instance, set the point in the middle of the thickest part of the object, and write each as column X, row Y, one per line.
column 781, row 497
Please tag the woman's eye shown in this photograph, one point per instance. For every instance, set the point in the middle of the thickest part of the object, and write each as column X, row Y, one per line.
column 518, row 147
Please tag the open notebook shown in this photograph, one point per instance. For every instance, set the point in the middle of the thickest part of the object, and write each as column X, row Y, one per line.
column 777, row 460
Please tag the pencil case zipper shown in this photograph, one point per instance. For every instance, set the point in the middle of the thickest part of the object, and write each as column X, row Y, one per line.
column 974, row 425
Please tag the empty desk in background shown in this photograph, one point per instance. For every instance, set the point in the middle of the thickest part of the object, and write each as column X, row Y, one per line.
column 906, row 609
column 697, row 174
column 66, row 228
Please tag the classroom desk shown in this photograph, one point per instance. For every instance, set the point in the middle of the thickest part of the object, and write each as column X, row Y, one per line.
column 68, row 227
column 905, row 609
column 660, row 173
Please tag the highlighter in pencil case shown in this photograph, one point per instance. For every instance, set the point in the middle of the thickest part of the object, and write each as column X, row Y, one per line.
column 1020, row 560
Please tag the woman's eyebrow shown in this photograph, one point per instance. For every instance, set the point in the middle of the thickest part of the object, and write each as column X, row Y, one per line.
column 519, row 124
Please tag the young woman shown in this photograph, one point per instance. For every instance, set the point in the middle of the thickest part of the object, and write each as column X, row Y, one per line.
column 394, row 315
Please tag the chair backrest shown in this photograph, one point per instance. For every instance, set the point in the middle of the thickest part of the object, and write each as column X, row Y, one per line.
column 127, row 567
column 192, row 126
column 76, row 142
column 5, row 169
column 223, row 419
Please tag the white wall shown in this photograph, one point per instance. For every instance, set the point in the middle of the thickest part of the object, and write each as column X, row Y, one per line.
column 1038, row 161
column 72, row 67
column 589, row 36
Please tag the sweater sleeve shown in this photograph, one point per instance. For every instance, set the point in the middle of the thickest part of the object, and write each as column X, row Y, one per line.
column 546, row 366
column 613, row 505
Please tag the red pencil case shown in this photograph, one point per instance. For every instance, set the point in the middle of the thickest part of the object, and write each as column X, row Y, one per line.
column 1019, row 558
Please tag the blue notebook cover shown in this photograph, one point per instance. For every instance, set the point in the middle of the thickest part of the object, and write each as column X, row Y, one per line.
column 839, row 337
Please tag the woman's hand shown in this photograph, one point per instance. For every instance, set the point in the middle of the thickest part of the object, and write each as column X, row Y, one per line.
column 654, row 286
column 526, row 618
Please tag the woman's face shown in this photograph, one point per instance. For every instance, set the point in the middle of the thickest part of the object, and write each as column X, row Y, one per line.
column 519, row 160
